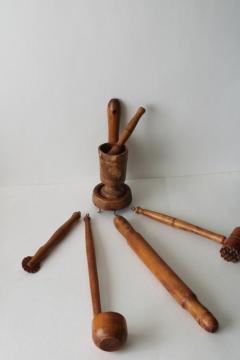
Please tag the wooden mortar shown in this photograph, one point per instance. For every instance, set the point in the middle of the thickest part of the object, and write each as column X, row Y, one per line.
column 112, row 193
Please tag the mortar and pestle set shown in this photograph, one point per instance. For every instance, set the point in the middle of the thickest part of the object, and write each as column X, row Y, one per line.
column 109, row 329
column 112, row 193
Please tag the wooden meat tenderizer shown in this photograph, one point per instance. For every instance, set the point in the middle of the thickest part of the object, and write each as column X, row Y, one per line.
column 230, row 250
column 109, row 329
column 32, row 264
column 127, row 131
column 114, row 113
column 174, row 285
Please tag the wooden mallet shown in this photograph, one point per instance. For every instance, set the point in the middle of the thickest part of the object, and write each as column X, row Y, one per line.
column 174, row 285
column 109, row 329
column 230, row 250
column 32, row 264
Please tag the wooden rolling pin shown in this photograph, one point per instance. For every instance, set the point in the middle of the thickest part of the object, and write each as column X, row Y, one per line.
column 230, row 251
column 127, row 131
column 174, row 285
column 114, row 113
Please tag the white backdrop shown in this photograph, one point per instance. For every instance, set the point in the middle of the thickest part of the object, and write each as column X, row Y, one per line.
column 61, row 61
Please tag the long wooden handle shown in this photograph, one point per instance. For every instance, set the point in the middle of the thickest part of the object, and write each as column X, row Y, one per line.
column 57, row 236
column 174, row 285
column 127, row 131
column 180, row 224
column 92, row 267
column 114, row 113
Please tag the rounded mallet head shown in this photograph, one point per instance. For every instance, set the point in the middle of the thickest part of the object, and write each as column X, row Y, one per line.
column 109, row 330
column 230, row 250
column 28, row 268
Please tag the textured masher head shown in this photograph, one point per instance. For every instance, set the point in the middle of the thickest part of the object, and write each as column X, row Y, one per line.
column 230, row 250
column 30, row 268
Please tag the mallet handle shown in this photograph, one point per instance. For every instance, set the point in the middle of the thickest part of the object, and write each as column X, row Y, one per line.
column 114, row 113
column 180, row 224
column 127, row 131
column 174, row 285
column 92, row 267
column 57, row 236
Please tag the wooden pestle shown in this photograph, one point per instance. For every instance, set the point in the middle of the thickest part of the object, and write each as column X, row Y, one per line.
column 109, row 329
column 127, row 131
column 114, row 113
column 174, row 285
column 32, row 263
column 230, row 250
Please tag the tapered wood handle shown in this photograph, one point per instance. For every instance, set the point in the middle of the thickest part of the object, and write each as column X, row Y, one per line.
column 114, row 113
column 92, row 267
column 56, row 237
column 127, row 131
column 180, row 224
column 174, row 285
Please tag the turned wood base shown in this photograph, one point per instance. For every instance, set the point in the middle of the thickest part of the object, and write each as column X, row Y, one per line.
column 111, row 204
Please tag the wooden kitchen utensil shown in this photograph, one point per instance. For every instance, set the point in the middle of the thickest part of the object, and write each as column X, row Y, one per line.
column 230, row 250
column 174, row 285
column 32, row 263
column 109, row 329
column 127, row 131
column 112, row 193
column 114, row 113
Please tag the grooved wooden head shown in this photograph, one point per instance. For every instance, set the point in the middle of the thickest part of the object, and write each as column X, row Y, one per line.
column 230, row 251
column 30, row 269
column 109, row 331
